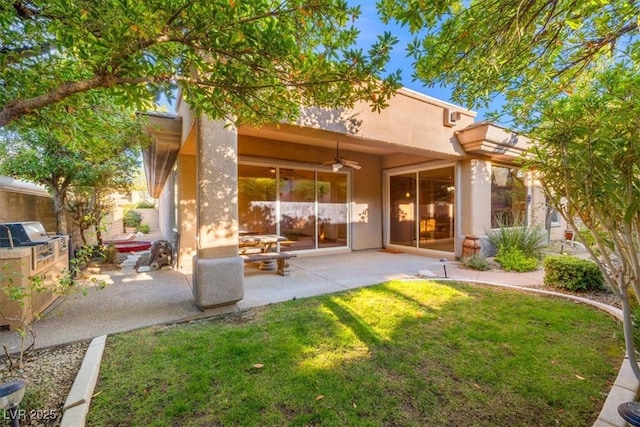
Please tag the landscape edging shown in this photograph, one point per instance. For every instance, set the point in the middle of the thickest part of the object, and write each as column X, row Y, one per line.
column 76, row 406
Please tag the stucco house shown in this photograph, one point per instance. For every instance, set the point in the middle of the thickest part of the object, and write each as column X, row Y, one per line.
column 429, row 176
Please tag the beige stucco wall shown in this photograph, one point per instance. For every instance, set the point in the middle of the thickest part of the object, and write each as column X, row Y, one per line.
column 166, row 211
column 412, row 131
column 474, row 192
column 187, row 221
column 27, row 207
column 184, row 111
column 412, row 120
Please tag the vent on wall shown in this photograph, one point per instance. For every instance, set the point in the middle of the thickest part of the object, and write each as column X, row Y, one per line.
column 450, row 117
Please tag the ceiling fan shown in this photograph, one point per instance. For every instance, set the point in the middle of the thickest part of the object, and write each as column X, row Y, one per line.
column 338, row 162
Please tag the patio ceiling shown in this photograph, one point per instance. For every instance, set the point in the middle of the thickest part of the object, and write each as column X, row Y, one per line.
column 160, row 156
column 327, row 139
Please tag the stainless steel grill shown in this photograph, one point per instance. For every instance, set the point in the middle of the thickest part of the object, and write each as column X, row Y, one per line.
column 33, row 234
column 26, row 251
column 27, row 233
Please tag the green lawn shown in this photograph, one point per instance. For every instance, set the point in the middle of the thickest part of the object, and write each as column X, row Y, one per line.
column 398, row 354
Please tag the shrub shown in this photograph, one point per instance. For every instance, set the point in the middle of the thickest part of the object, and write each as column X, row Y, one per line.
column 144, row 228
column 531, row 241
column 145, row 204
column 573, row 274
column 515, row 259
column 476, row 262
column 131, row 218
column 110, row 254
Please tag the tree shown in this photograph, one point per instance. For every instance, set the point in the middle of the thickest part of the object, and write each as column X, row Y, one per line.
column 48, row 153
column 90, row 198
column 251, row 61
column 569, row 73
column 522, row 50
column 586, row 156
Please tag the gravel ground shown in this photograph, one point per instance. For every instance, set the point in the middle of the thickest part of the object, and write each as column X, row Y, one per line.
column 49, row 374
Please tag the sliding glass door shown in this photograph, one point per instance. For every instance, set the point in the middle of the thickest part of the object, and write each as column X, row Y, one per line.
column 422, row 206
column 308, row 207
column 402, row 230
column 297, row 191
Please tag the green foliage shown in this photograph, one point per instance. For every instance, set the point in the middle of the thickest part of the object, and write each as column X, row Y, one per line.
column 79, row 157
column 476, row 262
column 509, row 235
column 572, row 273
column 146, row 204
column 529, row 52
column 144, row 228
column 511, row 258
column 587, row 236
column 247, row 61
column 131, row 218
column 590, row 167
column 109, row 254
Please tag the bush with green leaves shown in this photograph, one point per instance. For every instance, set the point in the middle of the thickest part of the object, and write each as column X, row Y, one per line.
column 145, row 204
column 573, row 274
column 110, row 254
column 514, row 234
column 511, row 258
column 144, row 228
column 132, row 218
column 476, row 262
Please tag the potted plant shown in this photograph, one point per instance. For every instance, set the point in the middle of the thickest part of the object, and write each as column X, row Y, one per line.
column 131, row 220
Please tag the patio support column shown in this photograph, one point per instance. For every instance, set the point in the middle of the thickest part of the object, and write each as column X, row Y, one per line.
column 218, row 270
column 475, row 197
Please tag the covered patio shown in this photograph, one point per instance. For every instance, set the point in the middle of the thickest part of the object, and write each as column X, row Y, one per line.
column 425, row 176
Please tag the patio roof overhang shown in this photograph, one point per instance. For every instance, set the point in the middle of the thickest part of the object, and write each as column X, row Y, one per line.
column 160, row 156
column 493, row 141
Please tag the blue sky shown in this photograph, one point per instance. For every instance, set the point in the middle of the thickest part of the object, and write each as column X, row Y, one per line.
column 370, row 27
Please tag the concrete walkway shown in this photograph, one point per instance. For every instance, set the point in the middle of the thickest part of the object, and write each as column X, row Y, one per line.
column 134, row 300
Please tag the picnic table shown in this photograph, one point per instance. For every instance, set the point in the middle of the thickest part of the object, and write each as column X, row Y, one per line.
column 264, row 248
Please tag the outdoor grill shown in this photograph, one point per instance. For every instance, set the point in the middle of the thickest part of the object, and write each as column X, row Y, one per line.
column 32, row 234
column 28, row 251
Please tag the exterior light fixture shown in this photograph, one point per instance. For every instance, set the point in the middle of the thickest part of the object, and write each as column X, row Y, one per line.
column 336, row 166
column 630, row 412
column 444, row 266
column 11, row 395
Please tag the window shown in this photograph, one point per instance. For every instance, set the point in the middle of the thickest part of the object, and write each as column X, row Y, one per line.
column 309, row 207
column 422, row 209
column 508, row 196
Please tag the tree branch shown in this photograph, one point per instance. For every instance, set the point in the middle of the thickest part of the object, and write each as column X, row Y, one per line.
column 14, row 109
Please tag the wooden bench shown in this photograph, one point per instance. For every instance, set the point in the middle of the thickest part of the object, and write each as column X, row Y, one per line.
column 266, row 260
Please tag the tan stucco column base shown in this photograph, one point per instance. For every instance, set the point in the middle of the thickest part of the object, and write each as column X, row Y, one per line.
column 217, row 283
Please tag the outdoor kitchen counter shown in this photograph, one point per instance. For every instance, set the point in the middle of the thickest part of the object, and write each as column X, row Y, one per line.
column 18, row 265
column 8, row 253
